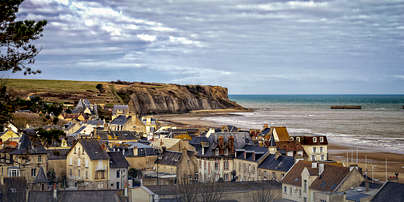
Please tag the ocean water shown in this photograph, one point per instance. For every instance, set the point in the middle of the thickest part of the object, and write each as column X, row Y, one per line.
column 379, row 125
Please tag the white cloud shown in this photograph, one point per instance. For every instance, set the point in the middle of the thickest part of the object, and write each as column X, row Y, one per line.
column 399, row 76
column 185, row 41
column 146, row 37
column 278, row 6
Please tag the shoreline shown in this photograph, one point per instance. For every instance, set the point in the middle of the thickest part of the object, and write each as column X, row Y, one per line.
column 336, row 151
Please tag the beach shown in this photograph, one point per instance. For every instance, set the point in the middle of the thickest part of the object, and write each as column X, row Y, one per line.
column 367, row 156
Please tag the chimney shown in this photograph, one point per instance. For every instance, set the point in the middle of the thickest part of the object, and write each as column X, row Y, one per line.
column 320, row 168
column 253, row 156
column 314, row 165
column 203, row 150
column 245, row 155
column 55, row 192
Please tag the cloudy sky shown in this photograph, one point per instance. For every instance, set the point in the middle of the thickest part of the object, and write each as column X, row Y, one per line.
column 249, row 46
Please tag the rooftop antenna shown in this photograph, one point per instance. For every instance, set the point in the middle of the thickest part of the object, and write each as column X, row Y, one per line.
column 347, row 158
column 357, row 154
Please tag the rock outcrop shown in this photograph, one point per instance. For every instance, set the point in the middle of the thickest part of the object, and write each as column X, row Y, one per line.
column 171, row 98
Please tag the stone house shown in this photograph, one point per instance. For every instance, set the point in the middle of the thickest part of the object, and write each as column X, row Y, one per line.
column 25, row 160
column 216, row 154
column 57, row 161
column 248, row 160
column 319, row 182
column 118, row 173
column 87, row 165
column 183, row 164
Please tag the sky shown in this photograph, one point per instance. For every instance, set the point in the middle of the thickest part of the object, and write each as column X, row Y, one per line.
column 248, row 46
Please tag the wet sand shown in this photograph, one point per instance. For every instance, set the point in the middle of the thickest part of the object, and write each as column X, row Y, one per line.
column 366, row 157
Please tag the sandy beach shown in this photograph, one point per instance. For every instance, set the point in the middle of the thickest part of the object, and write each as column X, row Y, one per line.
column 367, row 159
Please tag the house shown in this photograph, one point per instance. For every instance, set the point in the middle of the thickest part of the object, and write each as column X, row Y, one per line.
column 73, row 117
column 118, row 110
column 25, row 160
column 85, row 107
column 313, row 181
column 139, row 156
column 216, row 154
column 182, row 164
column 274, row 167
column 116, row 136
column 87, row 165
column 151, row 124
column 248, row 160
column 57, row 161
column 122, row 122
column 171, row 144
column 9, row 135
column 118, row 173
column 390, row 191
column 315, row 146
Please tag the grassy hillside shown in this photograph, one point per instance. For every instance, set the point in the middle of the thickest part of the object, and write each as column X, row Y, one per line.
column 62, row 90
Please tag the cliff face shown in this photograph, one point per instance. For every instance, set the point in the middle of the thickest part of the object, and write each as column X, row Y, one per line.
column 170, row 98
column 143, row 98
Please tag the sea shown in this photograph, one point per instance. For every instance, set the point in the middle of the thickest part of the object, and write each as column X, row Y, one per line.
column 378, row 126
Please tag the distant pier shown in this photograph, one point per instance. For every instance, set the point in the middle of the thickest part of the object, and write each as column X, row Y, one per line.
column 347, row 107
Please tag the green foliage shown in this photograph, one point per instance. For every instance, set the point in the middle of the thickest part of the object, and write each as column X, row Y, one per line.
column 6, row 107
column 51, row 176
column 16, row 39
column 48, row 137
column 100, row 88
column 104, row 113
column 134, row 173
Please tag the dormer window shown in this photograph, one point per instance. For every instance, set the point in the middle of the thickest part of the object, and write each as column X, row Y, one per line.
column 321, row 139
column 314, row 139
column 298, row 139
column 217, row 152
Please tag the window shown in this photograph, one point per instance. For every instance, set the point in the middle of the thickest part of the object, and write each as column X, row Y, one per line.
column 322, row 157
column 321, row 139
column 14, row 173
column 323, row 200
column 226, row 164
column 117, row 185
column 305, row 186
column 86, row 162
column 290, row 190
column 78, row 172
column 75, row 150
column 39, row 159
column 70, row 172
column 216, row 165
column 314, row 139
column 300, row 192
column 78, row 162
column 33, row 172
column 71, row 161
column 86, row 174
column 117, row 174
column 285, row 189
column 314, row 149
column 321, row 149
column 313, row 158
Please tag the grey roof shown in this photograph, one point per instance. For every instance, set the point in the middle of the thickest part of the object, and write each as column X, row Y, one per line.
column 264, row 132
column 76, row 196
column 282, row 163
column 272, row 141
column 120, row 135
column 41, row 177
column 390, row 191
column 120, row 107
column 95, row 122
column 253, row 153
column 94, row 149
column 170, row 158
column 117, row 160
column 79, row 130
column 26, row 146
column 57, row 154
column 120, row 120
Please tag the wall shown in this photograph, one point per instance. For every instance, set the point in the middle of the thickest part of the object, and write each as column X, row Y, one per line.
column 141, row 162
column 59, row 166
